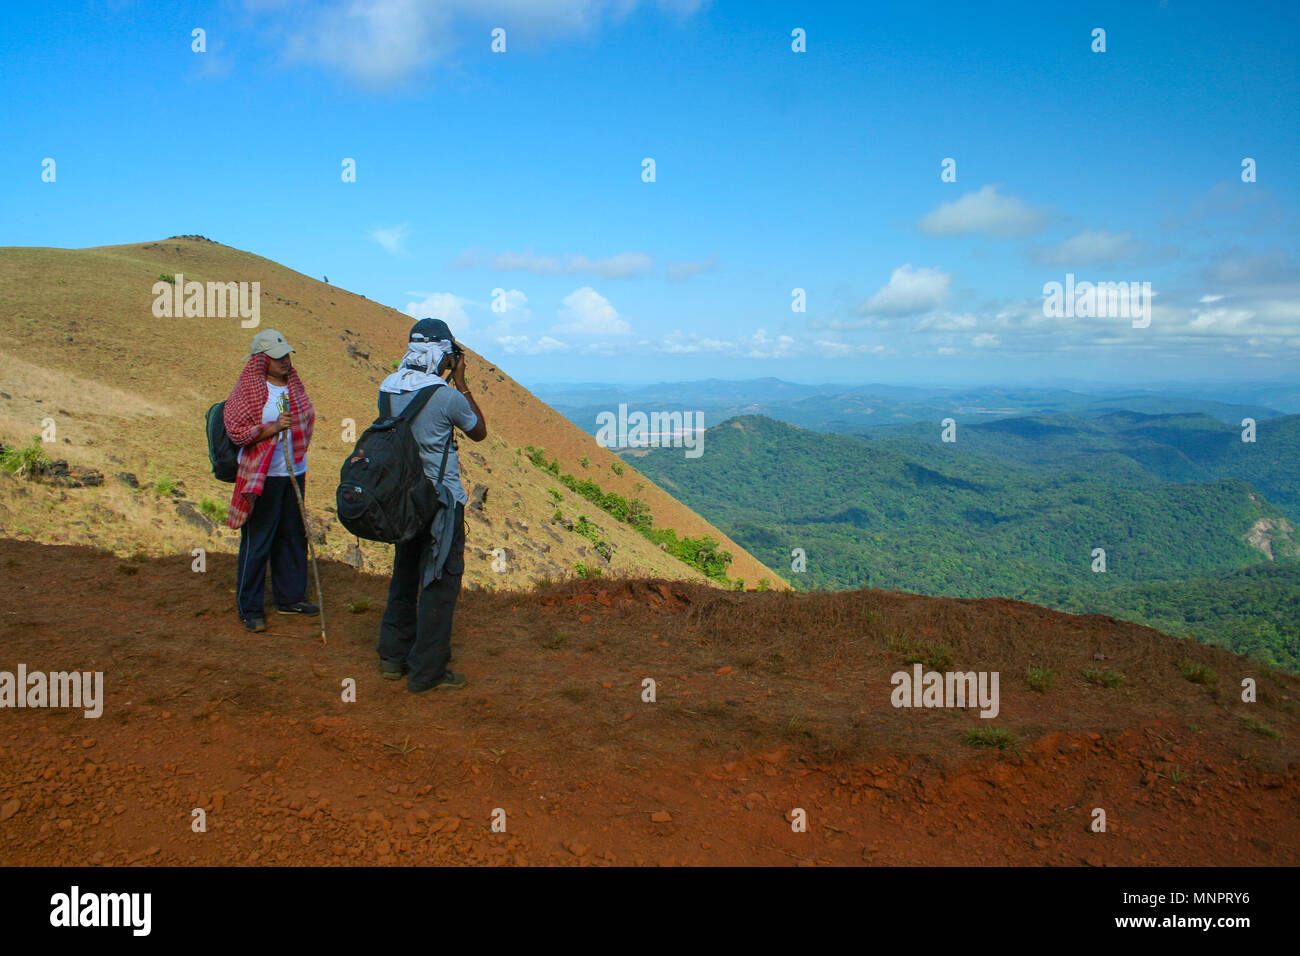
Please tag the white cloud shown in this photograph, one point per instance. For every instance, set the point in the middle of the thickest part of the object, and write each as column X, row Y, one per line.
column 624, row 265
column 523, row 345
column 679, row 271
column 392, row 238
column 586, row 312
column 844, row 349
column 910, row 291
column 948, row 321
column 983, row 212
column 382, row 42
column 984, row 340
column 512, row 302
column 1090, row 247
column 441, row 305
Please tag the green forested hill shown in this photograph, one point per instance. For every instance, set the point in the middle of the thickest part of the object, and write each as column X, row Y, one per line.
column 991, row 514
column 1127, row 445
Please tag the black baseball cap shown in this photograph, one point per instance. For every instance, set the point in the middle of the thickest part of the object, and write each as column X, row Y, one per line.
column 431, row 330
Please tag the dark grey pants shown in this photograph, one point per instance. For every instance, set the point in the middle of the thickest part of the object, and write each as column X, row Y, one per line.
column 273, row 534
column 416, row 629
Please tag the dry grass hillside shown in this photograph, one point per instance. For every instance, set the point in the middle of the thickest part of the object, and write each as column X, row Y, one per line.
column 126, row 392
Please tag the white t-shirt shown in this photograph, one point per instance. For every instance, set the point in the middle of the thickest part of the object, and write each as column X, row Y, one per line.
column 270, row 413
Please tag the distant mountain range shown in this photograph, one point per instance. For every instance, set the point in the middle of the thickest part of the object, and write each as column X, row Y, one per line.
column 859, row 409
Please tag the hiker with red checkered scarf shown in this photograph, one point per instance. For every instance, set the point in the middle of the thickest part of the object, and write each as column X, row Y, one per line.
column 269, row 400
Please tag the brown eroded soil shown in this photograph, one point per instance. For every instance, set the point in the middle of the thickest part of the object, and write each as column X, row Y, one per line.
column 766, row 702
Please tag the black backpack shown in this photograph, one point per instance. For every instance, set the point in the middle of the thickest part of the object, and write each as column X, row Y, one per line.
column 383, row 493
column 222, row 452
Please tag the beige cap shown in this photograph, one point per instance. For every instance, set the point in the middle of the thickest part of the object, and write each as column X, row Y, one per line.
column 272, row 343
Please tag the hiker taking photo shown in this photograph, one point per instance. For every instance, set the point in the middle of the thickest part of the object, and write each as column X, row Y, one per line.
column 415, row 634
column 267, row 410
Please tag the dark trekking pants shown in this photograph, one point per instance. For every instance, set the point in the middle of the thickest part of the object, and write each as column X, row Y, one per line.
column 273, row 534
column 416, row 629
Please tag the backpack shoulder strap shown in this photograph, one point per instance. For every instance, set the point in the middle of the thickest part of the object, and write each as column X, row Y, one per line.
column 413, row 407
column 446, row 447
column 417, row 402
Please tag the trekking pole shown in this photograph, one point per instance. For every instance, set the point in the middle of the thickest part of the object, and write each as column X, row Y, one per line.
column 302, row 510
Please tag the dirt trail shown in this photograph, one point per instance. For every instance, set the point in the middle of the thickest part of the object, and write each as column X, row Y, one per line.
column 765, row 703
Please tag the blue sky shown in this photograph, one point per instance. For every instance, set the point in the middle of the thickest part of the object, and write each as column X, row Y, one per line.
column 774, row 170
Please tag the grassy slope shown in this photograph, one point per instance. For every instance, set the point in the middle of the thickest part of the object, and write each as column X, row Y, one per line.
column 127, row 392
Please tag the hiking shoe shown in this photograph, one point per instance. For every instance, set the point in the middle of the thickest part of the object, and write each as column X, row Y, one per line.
column 391, row 670
column 302, row 607
column 448, row 680
column 254, row 624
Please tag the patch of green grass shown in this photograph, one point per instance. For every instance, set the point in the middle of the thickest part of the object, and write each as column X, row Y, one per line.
column 1261, row 728
column 167, row 277
column 359, row 605
column 556, row 494
column 25, row 462
column 213, row 509
column 1110, row 679
column 1196, row 673
column 165, row 485
column 616, row 468
column 588, row 571
column 584, row 461
column 1040, row 678
column 938, row 658
column 998, row 737
column 555, row 642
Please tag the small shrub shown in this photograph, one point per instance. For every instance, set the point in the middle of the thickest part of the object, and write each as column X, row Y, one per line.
column 359, row 605
column 585, row 571
column 1040, row 679
column 617, row 468
column 584, row 461
column 167, row 277
column 555, row 494
column 938, row 658
column 1196, row 673
column 1261, row 728
column 1110, row 679
column 555, row 642
column 998, row 737
column 165, row 485
column 213, row 509
column 25, row 462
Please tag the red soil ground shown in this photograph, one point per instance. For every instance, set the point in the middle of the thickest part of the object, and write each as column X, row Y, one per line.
column 766, row 703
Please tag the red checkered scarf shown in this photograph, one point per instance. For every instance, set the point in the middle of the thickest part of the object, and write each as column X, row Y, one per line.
column 243, row 416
